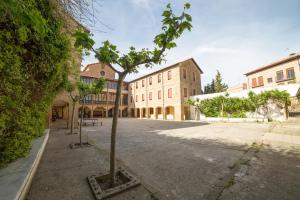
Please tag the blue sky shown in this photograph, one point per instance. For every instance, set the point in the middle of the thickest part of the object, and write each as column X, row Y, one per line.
column 233, row 36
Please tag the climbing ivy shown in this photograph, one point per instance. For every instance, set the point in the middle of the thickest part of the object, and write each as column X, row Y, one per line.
column 33, row 69
column 225, row 106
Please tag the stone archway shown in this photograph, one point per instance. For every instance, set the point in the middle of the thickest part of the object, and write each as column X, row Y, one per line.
column 110, row 112
column 144, row 112
column 60, row 114
column 87, row 112
column 159, row 113
column 125, row 112
column 151, row 113
column 138, row 113
column 99, row 112
column 169, row 113
column 187, row 113
column 132, row 114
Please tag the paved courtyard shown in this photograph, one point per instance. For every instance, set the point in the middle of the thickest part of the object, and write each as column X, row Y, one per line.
column 194, row 160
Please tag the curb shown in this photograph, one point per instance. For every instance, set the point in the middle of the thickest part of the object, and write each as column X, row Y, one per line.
column 21, row 194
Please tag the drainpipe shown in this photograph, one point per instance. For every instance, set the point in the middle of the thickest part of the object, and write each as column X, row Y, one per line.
column 299, row 64
column 147, row 96
column 163, row 94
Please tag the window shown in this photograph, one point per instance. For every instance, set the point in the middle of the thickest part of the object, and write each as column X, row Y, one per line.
column 170, row 93
column 150, row 80
column 184, row 73
column 194, row 77
column 169, row 75
column 260, row 80
column 290, row 73
column 143, row 97
column 159, row 78
column 150, row 95
column 254, row 84
column 279, row 75
column 194, row 91
column 270, row 80
column 136, row 98
column 185, row 92
column 159, row 94
column 131, row 99
column 102, row 73
column 143, row 83
column 137, row 85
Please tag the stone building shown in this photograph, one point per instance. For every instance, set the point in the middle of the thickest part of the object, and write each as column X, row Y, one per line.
column 284, row 71
column 158, row 95
column 102, row 105
column 162, row 94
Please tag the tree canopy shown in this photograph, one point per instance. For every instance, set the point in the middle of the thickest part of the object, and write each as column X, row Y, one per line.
column 216, row 85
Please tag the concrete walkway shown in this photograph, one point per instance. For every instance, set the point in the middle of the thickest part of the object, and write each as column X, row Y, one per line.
column 218, row 161
column 178, row 160
column 63, row 171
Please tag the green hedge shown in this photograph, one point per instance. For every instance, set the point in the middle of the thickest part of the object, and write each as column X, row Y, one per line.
column 32, row 70
column 226, row 107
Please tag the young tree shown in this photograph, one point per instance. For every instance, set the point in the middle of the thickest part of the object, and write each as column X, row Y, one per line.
column 172, row 28
column 219, row 86
column 85, row 90
column 71, row 89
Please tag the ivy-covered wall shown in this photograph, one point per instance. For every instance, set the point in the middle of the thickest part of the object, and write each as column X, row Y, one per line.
column 226, row 106
column 34, row 53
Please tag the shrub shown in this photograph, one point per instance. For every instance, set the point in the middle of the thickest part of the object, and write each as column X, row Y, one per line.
column 32, row 70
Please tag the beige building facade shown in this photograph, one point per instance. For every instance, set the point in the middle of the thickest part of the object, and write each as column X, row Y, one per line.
column 284, row 71
column 163, row 94
column 159, row 95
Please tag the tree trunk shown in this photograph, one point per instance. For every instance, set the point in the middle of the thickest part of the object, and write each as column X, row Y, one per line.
column 114, row 130
column 81, row 119
column 72, row 119
column 286, row 111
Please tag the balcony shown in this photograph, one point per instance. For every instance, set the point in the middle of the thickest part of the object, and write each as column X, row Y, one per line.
column 101, row 102
column 285, row 79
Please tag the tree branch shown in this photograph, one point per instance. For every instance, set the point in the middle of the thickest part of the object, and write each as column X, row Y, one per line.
column 94, row 50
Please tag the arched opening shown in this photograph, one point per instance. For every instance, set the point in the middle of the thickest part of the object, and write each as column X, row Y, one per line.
column 151, row 113
column 110, row 112
column 144, row 113
column 86, row 112
column 169, row 112
column 132, row 112
column 159, row 114
column 99, row 112
column 60, row 114
column 138, row 113
column 124, row 112
column 187, row 113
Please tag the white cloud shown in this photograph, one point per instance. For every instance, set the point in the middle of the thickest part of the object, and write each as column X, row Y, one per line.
column 219, row 50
